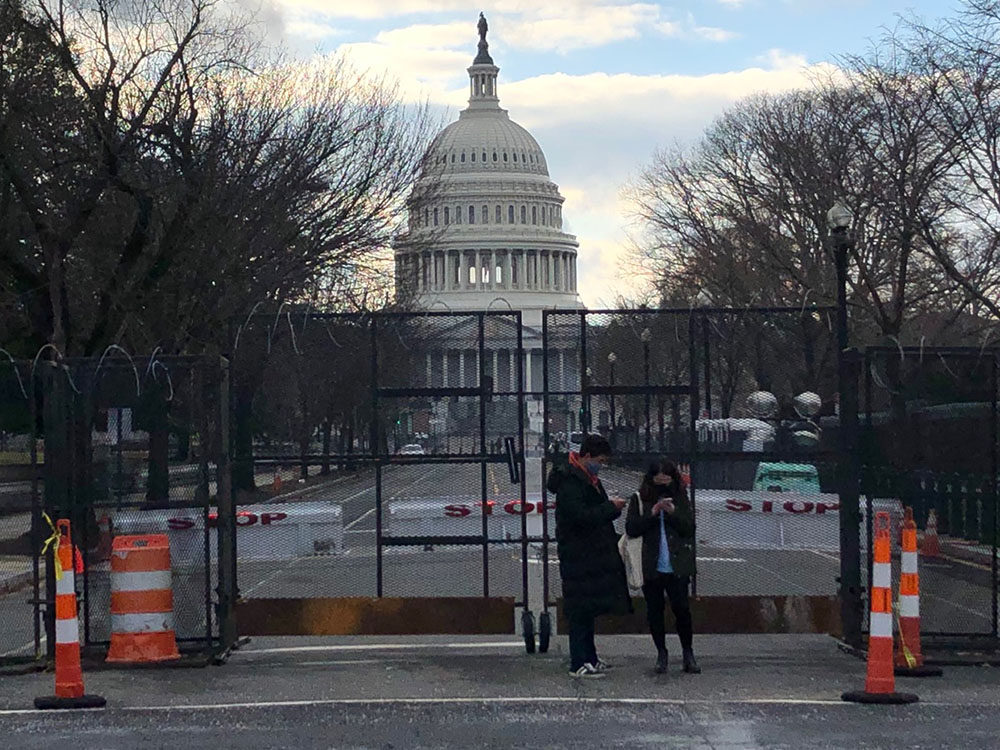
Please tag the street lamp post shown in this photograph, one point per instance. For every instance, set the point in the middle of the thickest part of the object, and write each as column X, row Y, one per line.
column 839, row 221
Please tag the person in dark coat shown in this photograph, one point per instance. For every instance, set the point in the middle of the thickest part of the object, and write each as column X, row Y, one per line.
column 661, row 514
column 593, row 575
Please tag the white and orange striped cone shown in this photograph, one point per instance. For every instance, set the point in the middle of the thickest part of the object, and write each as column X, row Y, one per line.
column 930, row 547
column 69, row 674
column 276, row 482
column 880, row 683
column 909, row 656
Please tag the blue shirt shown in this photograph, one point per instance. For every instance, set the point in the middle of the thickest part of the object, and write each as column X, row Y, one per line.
column 663, row 561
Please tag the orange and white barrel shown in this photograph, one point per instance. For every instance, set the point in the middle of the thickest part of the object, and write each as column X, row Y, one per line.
column 142, row 600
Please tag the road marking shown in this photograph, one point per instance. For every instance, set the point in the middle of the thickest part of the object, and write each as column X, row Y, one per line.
column 380, row 647
column 29, row 645
column 501, row 700
column 823, row 554
column 359, row 519
column 268, row 579
column 721, row 559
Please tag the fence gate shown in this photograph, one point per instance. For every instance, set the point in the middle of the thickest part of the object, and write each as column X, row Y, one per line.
column 382, row 460
column 929, row 441
column 745, row 401
column 118, row 445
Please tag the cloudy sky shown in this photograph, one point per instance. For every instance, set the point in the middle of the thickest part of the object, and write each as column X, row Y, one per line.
column 600, row 84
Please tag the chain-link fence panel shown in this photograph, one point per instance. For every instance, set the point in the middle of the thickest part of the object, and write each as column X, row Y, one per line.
column 930, row 443
column 21, row 455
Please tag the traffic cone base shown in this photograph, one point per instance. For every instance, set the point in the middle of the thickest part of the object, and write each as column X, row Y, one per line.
column 860, row 696
column 54, row 702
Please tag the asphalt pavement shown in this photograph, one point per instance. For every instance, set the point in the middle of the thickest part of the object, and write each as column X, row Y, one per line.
column 755, row 692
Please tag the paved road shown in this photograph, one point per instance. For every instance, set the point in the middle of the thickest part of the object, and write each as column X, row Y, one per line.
column 755, row 692
column 956, row 595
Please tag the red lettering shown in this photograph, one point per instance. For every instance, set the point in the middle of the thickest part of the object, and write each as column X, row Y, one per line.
column 738, row 505
column 180, row 524
column 248, row 518
column 269, row 518
column 792, row 506
column 213, row 520
column 516, row 507
column 824, row 507
column 768, row 507
column 457, row 511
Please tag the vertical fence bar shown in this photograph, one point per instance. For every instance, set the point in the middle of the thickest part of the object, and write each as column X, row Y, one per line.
column 227, row 539
column 693, row 451
column 519, row 371
column 482, row 452
column 373, row 449
column 544, row 467
column 707, row 366
column 37, row 532
column 990, row 522
column 201, row 389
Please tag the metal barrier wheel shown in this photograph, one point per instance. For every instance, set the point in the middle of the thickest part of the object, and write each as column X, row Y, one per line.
column 544, row 632
column 528, row 626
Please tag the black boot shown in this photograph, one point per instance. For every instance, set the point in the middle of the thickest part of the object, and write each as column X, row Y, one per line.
column 661, row 662
column 690, row 665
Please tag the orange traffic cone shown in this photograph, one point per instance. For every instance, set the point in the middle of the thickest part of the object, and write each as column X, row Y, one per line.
column 69, row 675
column 880, row 684
column 276, row 482
column 930, row 546
column 909, row 658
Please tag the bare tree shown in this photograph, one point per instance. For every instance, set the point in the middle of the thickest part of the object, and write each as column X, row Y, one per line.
column 205, row 174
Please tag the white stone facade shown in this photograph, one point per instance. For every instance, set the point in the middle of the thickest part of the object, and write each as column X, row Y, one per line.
column 485, row 225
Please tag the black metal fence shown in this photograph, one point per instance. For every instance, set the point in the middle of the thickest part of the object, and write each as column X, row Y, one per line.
column 395, row 433
column 746, row 399
column 118, row 446
column 929, row 442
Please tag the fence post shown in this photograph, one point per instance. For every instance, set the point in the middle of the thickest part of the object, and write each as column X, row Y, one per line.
column 227, row 521
column 849, row 489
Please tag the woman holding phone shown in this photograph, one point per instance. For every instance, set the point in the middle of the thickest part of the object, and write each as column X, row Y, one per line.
column 661, row 514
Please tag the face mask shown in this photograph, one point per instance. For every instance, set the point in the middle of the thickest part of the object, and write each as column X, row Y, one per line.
column 594, row 467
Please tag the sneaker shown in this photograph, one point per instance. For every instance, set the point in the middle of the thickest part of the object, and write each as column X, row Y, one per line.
column 587, row 671
column 601, row 666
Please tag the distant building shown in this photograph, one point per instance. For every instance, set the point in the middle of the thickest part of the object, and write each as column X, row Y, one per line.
column 486, row 233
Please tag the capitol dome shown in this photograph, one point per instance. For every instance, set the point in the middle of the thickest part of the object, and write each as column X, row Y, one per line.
column 485, row 224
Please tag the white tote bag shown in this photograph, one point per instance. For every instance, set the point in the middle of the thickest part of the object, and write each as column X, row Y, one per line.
column 631, row 553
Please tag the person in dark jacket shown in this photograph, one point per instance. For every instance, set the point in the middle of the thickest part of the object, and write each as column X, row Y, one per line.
column 661, row 514
column 593, row 575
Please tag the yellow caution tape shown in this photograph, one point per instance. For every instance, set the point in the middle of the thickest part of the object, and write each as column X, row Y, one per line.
column 911, row 660
column 53, row 542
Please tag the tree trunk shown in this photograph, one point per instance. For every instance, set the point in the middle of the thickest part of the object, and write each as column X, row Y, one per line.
column 327, row 429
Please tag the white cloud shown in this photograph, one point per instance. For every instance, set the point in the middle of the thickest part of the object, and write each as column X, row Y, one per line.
column 567, row 29
column 732, row 3
column 713, row 34
column 311, row 30
column 431, row 36
column 779, row 59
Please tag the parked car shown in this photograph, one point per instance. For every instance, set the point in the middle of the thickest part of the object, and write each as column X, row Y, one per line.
column 413, row 449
